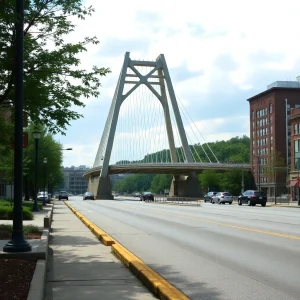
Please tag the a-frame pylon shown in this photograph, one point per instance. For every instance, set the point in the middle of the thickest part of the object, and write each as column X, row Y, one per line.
column 160, row 76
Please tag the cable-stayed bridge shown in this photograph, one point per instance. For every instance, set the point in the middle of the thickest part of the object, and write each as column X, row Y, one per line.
column 144, row 133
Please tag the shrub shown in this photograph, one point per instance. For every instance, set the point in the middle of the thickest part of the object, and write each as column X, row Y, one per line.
column 31, row 204
column 26, row 228
column 7, row 203
column 6, row 213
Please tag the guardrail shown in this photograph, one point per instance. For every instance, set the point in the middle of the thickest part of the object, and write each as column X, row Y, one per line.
column 178, row 200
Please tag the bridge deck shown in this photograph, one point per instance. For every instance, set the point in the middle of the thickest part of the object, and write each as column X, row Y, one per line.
column 167, row 168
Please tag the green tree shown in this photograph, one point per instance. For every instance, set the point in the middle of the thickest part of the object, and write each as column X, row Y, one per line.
column 274, row 169
column 210, row 180
column 134, row 183
column 54, row 81
column 48, row 148
column 160, row 182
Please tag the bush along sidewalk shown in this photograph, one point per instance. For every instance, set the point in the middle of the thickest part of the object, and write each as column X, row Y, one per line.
column 6, row 210
column 30, row 231
column 28, row 204
column 6, row 213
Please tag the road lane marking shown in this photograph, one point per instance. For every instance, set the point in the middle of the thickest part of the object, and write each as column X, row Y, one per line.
column 293, row 237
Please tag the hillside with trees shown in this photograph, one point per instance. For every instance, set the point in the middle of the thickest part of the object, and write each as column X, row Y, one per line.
column 235, row 150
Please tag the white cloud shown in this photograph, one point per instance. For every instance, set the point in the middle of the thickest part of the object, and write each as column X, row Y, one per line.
column 219, row 54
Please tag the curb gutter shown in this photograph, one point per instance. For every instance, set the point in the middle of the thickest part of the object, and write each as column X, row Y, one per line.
column 100, row 234
column 38, row 282
column 152, row 280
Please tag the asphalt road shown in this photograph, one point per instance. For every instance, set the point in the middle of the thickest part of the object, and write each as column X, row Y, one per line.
column 215, row 252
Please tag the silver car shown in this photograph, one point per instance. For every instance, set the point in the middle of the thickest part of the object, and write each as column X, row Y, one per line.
column 222, row 198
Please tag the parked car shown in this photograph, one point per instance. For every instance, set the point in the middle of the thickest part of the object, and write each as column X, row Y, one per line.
column 88, row 196
column 63, row 195
column 252, row 197
column 147, row 196
column 42, row 196
column 208, row 196
column 222, row 198
column 136, row 195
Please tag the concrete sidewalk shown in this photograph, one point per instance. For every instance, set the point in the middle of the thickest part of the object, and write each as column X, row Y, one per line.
column 80, row 267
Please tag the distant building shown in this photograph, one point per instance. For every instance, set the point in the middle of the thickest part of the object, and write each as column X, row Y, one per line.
column 73, row 180
column 295, row 153
column 270, row 134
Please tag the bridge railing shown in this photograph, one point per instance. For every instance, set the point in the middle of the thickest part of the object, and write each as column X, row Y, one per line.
column 178, row 200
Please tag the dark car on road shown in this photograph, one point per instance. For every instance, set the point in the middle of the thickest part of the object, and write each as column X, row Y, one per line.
column 208, row 196
column 147, row 196
column 252, row 197
column 63, row 195
column 88, row 196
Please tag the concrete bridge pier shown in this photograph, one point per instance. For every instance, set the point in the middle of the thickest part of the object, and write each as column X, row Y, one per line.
column 100, row 187
column 185, row 186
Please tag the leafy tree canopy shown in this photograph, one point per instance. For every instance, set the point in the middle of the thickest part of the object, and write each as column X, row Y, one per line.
column 53, row 78
column 49, row 149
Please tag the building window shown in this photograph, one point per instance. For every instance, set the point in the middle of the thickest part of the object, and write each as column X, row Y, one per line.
column 271, row 108
column 270, row 119
column 252, row 115
column 297, row 154
column 271, row 129
column 266, row 110
column 253, row 125
column 271, row 139
column 266, row 121
column 295, row 128
column 257, row 114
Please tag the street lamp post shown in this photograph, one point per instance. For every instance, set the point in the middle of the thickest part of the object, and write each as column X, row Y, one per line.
column 45, row 164
column 17, row 242
column 36, row 135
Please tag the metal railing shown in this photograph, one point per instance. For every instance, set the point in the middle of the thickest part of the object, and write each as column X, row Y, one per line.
column 178, row 200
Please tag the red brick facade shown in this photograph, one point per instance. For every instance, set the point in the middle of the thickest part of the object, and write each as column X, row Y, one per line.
column 268, row 117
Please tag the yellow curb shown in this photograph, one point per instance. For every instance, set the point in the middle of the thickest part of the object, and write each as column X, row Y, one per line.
column 157, row 284
column 100, row 234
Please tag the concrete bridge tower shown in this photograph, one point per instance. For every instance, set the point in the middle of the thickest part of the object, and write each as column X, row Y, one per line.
column 187, row 185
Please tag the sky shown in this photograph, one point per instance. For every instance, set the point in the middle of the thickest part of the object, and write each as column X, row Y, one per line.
column 219, row 54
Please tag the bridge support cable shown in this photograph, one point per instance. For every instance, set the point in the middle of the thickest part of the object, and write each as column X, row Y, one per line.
column 191, row 141
column 185, row 112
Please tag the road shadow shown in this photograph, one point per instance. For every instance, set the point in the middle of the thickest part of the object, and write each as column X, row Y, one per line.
column 192, row 289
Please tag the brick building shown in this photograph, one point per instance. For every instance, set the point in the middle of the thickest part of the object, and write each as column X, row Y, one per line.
column 270, row 153
column 295, row 153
